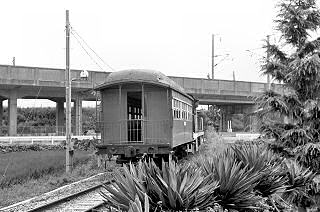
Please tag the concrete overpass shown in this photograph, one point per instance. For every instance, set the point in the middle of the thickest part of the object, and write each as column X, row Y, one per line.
column 48, row 83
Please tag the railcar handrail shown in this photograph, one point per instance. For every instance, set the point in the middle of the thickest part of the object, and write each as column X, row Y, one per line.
column 135, row 130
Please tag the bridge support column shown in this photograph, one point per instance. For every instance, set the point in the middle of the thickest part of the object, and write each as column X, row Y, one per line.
column 224, row 119
column 1, row 112
column 12, row 112
column 60, row 128
column 78, row 118
column 251, row 121
column 1, row 115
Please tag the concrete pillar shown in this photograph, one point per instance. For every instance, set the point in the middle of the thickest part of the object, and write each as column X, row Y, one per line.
column 60, row 123
column 223, row 120
column 1, row 117
column 12, row 112
column 252, row 120
column 78, row 118
column 1, row 112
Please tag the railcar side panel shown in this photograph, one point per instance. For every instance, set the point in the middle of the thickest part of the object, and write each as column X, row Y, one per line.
column 182, row 119
column 110, row 114
column 112, row 129
column 157, row 122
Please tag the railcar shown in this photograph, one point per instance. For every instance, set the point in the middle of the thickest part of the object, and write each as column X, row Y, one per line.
column 144, row 112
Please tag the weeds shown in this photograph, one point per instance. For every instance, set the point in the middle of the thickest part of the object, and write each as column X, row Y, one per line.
column 19, row 167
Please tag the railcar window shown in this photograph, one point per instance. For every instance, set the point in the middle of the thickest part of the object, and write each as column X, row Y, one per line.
column 189, row 113
column 181, row 110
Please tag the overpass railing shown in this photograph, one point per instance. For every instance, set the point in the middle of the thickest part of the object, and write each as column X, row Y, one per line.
column 224, row 87
column 55, row 77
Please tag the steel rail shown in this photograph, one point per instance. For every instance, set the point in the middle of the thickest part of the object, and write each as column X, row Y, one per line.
column 69, row 197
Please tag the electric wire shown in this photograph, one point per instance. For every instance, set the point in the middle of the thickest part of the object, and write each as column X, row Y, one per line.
column 226, row 56
column 75, row 33
column 255, row 48
column 86, row 51
column 105, row 63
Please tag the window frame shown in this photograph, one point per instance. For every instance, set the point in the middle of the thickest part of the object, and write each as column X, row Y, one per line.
column 181, row 110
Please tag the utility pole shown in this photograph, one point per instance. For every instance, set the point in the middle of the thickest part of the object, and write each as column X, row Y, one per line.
column 268, row 57
column 212, row 76
column 69, row 152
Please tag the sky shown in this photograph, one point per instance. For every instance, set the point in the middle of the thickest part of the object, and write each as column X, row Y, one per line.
column 171, row 36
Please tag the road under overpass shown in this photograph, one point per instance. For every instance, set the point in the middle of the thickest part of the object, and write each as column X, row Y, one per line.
column 22, row 82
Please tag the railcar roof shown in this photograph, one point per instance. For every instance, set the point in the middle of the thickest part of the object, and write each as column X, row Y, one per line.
column 141, row 75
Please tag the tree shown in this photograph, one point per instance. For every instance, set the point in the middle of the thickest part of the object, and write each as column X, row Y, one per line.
column 212, row 116
column 295, row 62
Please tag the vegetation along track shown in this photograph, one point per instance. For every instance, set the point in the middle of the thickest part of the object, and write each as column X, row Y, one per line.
column 85, row 200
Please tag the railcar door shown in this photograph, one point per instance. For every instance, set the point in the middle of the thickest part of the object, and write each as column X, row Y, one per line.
column 134, row 111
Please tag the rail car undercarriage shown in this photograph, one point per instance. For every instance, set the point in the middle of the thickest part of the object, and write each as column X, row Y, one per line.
column 127, row 152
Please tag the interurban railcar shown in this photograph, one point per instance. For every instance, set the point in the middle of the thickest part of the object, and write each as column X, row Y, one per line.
column 143, row 112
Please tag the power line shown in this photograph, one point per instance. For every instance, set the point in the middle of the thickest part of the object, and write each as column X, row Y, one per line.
column 77, row 34
column 254, row 49
column 86, row 51
column 225, row 57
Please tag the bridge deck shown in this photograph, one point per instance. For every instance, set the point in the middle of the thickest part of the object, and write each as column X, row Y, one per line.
column 28, row 80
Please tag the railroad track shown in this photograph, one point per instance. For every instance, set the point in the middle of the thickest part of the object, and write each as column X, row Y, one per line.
column 82, row 195
column 83, row 201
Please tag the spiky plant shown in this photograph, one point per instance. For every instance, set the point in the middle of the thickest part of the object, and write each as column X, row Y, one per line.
column 177, row 187
column 236, row 182
column 136, row 206
column 180, row 188
column 257, row 158
column 131, row 182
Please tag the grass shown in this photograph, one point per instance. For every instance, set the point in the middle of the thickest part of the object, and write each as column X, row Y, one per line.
column 19, row 167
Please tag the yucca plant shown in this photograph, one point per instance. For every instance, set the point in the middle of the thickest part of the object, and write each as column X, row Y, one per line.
column 131, row 182
column 258, row 158
column 255, row 157
column 179, row 187
column 136, row 206
column 236, row 183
